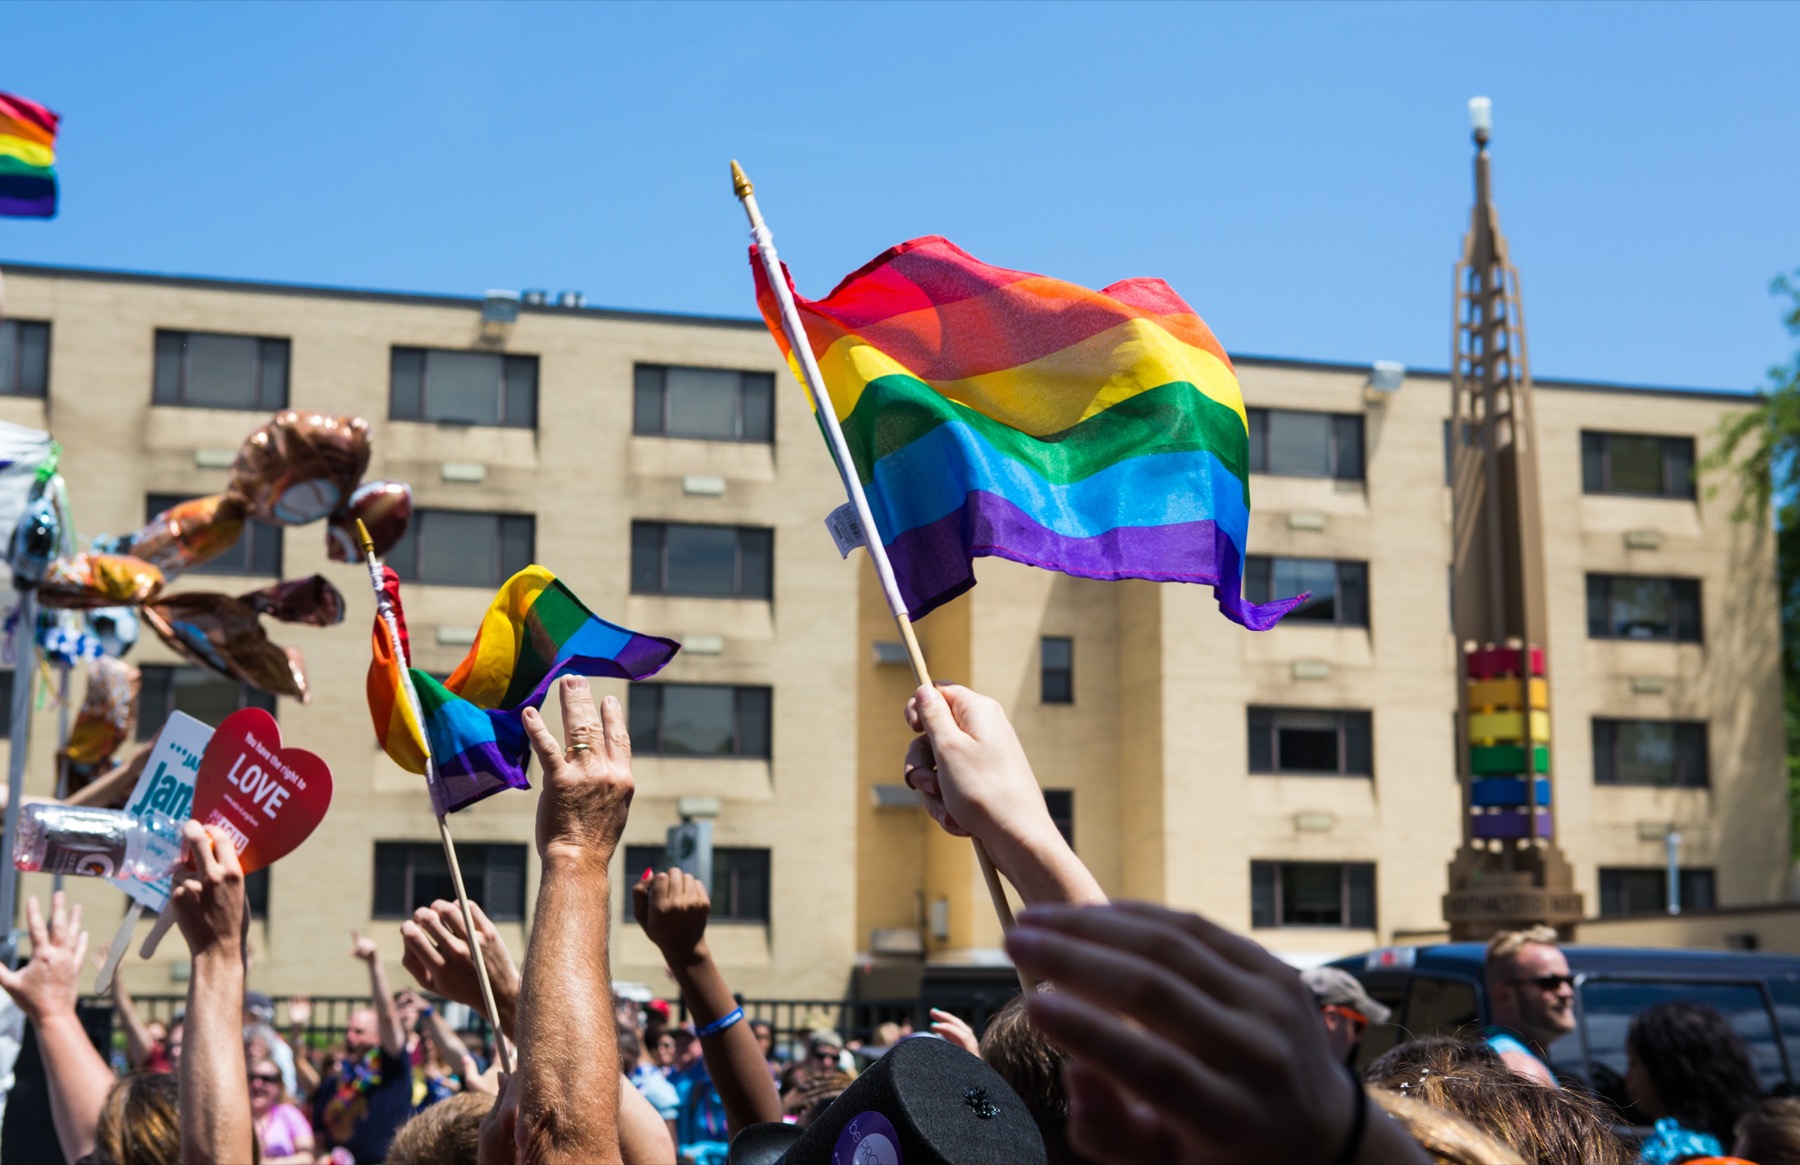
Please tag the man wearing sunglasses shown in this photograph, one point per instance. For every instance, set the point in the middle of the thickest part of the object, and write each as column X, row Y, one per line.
column 1346, row 1009
column 1531, row 998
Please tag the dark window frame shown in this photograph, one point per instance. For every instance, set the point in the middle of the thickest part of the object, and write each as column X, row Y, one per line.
column 753, row 422
column 1355, row 741
column 256, row 538
column 1687, row 618
column 1699, row 888
column 408, row 387
column 1678, row 465
column 1350, row 589
column 155, row 676
column 744, row 587
column 264, row 399
column 13, row 379
column 1691, row 752
column 480, row 861
column 1056, row 681
column 646, row 705
column 1061, row 805
column 406, row 555
column 1345, row 432
column 1357, row 904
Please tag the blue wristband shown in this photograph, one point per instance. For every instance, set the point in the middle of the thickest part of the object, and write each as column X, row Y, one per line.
column 720, row 1024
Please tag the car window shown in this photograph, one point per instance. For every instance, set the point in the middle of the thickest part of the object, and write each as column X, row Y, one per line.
column 1608, row 1005
column 1442, row 1007
column 1390, row 991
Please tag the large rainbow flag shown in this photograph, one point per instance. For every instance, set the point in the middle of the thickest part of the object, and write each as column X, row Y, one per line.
column 535, row 631
column 27, row 158
column 995, row 412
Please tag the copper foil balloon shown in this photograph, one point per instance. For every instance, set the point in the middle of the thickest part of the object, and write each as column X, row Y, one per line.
column 107, row 714
column 299, row 466
column 226, row 635
column 383, row 506
column 188, row 534
column 89, row 580
column 301, row 600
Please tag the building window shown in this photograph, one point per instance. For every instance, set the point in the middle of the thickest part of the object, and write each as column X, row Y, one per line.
column 1340, row 589
column 1631, row 463
column 699, row 720
column 1061, row 803
column 411, row 874
column 207, row 370
column 256, row 552
column 24, row 358
column 206, row 696
column 1631, row 606
column 1650, row 752
column 1310, row 742
column 1632, row 890
column 740, row 880
column 1056, row 670
column 1313, row 894
column 463, row 388
column 710, row 404
column 463, row 548
column 1289, row 443
column 670, row 558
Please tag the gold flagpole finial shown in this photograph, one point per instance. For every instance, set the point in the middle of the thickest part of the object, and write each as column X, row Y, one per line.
column 364, row 543
column 740, row 182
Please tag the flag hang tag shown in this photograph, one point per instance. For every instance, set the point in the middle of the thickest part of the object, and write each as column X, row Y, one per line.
column 846, row 531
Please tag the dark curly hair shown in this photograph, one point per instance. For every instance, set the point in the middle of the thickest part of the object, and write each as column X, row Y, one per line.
column 1699, row 1066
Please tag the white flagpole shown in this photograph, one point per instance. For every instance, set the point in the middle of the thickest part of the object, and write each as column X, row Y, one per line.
column 840, row 455
column 388, row 619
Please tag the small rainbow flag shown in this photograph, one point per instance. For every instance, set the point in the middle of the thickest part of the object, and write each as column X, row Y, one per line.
column 995, row 412
column 27, row 158
column 535, row 631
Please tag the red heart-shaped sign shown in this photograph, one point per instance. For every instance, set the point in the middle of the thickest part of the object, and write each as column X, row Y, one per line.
column 268, row 798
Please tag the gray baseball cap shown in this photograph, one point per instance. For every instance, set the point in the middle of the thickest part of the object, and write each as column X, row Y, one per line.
column 1333, row 986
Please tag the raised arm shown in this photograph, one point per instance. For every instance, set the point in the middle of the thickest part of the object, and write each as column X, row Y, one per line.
column 138, row 1043
column 438, row 956
column 208, row 902
column 299, row 1015
column 672, row 908
column 972, row 771
column 568, row 1051
column 387, row 1019
column 45, row 991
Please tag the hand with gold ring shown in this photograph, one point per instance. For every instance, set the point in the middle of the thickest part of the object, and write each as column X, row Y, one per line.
column 587, row 780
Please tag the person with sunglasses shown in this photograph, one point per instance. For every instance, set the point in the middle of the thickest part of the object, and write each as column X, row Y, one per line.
column 1531, row 999
column 1345, row 1008
column 282, row 1129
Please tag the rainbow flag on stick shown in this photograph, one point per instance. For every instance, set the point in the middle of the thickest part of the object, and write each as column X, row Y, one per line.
column 27, row 158
column 535, row 631
column 995, row 412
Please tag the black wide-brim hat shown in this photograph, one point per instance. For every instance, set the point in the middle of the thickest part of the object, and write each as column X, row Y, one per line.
column 926, row 1102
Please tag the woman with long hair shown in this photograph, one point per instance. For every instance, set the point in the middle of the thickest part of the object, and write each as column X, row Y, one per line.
column 1690, row 1073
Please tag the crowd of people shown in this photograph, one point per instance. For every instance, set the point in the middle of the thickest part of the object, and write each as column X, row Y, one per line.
column 1152, row 1035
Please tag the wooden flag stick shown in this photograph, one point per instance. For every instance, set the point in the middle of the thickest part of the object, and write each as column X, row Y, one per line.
column 814, row 381
column 367, row 546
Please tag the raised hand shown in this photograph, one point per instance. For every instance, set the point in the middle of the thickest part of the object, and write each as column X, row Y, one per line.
column 587, row 780
column 672, row 908
column 46, row 986
column 955, row 1031
column 439, row 957
column 208, row 899
column 300, row 1010
column 363, row 948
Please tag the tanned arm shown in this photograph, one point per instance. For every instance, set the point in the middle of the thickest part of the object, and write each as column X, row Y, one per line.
column 568, row 1049
column 216, row 1128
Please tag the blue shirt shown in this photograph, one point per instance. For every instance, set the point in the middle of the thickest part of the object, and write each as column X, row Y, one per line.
column 700, row 1130
column 1504, row 1041
column 1670, row 1143
column 656, row 1089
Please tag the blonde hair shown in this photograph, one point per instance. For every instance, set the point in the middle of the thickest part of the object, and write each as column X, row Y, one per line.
column 140, row 1122
column 1506, row 945
column 1449, row 1139
column 447, row 1133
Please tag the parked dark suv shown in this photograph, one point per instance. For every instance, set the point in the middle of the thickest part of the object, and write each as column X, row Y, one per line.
column 1438, row 990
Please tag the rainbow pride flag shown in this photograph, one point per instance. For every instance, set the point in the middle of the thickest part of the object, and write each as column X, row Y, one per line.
column 27, row 159
column 995, row 412
column 535, row 631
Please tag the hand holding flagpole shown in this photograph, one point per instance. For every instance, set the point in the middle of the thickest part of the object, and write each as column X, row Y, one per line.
column 814, row 382
column 386, row 614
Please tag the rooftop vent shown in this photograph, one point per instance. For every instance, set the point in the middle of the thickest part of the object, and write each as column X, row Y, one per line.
column 536, row 297
column 570, row 299
column 500, row 307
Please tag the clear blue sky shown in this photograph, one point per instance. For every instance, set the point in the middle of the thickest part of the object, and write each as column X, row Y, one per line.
column 1300, row 173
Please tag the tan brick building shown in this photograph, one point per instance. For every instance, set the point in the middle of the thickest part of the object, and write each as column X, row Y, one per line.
column 1301, row 781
